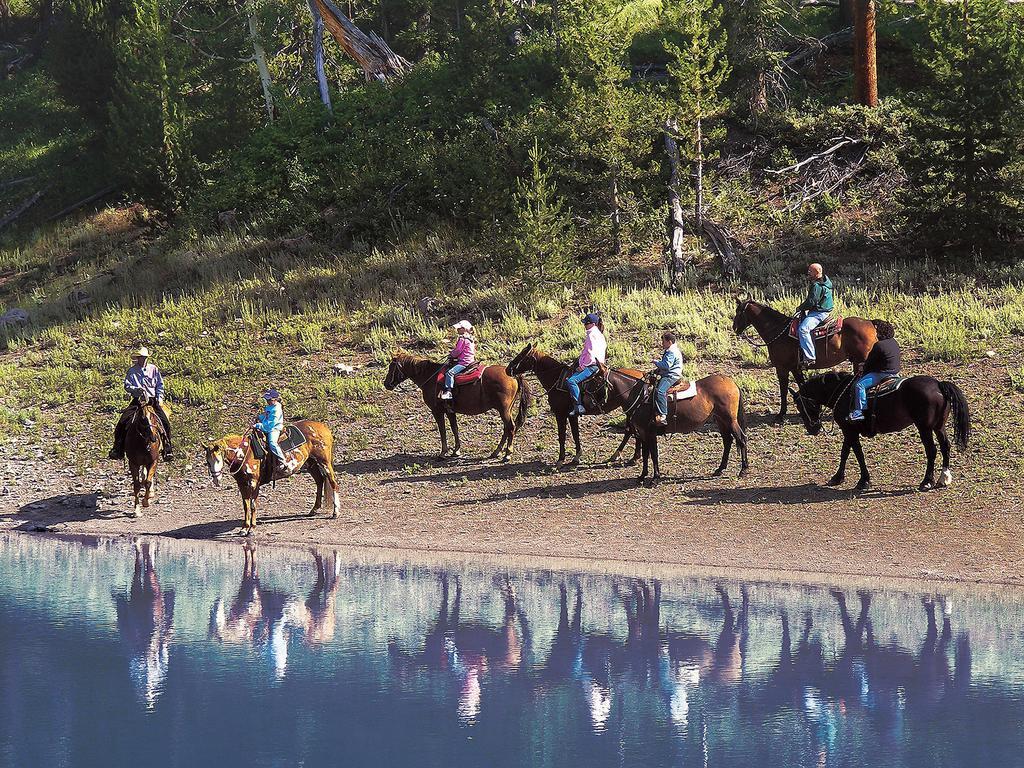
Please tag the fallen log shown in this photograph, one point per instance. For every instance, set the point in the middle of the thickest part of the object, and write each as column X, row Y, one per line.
column 844, row 142
column 724, row 244
column 14, row 215
column 83, row 202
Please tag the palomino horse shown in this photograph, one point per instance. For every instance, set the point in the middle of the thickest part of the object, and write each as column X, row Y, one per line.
column 852, row 343
column 143, row 442
column 922, row 401
column 234, row 453
column 551, row 373
column 494, row 391
column 717, row 397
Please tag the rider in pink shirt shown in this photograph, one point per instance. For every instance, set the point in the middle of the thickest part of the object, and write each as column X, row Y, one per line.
column 594, row 349
column 460, row 358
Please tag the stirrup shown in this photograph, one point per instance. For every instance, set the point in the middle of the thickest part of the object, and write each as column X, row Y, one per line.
column 115, row 454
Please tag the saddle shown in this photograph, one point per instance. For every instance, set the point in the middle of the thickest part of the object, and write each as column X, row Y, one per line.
column 469, row 376
column 593, row 391
column 887, row 387
column 832, row 326
column 684, row 389
column 290, row 439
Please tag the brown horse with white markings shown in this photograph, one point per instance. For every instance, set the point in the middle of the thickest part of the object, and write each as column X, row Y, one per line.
column 143, row 443
column 495, row 390
column 717, row 397
column 234, row 454
column 852, row 343
column 551, row 374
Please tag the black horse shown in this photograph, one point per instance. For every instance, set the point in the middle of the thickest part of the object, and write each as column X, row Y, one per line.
column 923, row 401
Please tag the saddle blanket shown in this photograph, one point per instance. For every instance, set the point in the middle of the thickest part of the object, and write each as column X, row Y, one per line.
column 684, row 392
column 887, row 387
column 291, row 438
column 466, row 377
column 830, row 327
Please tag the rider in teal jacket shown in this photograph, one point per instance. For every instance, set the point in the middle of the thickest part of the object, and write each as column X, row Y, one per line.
column 271, row 421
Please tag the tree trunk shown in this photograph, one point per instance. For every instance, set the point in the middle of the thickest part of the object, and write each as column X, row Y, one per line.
column 616, row 215
column 698, row 206
column 261, row 63
column 674, row 221
column 865, row 72
column 318, row 54
column 845, row 13
column 374, row 55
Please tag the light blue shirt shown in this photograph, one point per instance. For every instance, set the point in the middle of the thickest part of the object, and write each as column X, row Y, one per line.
column 671, row 363
column 146, row 378
column 272, row 418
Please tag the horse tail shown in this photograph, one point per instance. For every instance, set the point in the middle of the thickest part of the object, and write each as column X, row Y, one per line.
column 883, row 329
column 961, row 413
column 741, row 413
column 524, row 402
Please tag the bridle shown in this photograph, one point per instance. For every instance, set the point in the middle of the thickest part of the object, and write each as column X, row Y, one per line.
column 830, row 402
column 628, row 408
column 753, row 342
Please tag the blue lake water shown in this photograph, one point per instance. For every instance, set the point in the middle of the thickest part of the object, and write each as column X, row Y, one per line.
column 177, row 653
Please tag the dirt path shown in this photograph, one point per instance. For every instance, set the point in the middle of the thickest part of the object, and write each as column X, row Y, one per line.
column 780, row 517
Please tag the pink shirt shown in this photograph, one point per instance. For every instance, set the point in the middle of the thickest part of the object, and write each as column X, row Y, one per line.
column 464, row 352
column 594, row 348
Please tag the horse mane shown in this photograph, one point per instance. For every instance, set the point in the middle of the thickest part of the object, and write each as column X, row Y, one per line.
column 769, row 309
column 227, row 442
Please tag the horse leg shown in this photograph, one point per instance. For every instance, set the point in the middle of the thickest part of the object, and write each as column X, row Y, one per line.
column 439, row 418
column 646, row 451
column 149, row 487
column 947, row 476
column 332, row 480
column 654, row 457
column 844, row 455
column 574, row 425
column 562, row 422
column 136, row 490
column 618, row 451
column 741, row 443
column 318, row 478
column 727, row 439
column 783, row 376
column 454, row 422
column 858, row 450
column 929, row 448
column 252, row 506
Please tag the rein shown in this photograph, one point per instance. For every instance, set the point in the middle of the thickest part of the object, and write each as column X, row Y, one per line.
column 830, row 402
column 754, row 343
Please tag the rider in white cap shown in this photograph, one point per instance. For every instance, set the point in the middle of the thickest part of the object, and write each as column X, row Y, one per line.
column 144, row 384
column 460, row 358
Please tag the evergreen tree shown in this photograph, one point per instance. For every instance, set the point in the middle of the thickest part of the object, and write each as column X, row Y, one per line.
column 965, row 167
column 754, row 46
column 698, row 71
column 540, row 243
column 145, row 142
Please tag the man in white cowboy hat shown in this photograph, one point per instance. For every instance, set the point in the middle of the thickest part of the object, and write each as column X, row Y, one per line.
column 144, row 384
column 460, row 358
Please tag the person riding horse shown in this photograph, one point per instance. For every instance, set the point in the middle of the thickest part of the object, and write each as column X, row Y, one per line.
column 883, row 363
column 590, row 361
column 815, row 309
column 460, row 358
column 145, row 386
column 669, row 370
column 271, row 422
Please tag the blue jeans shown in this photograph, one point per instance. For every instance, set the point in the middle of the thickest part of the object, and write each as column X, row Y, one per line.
column 863, row 384
column 275, row 449
column 661, row 394
column 808, row 324
column 574, row 381
column 451, row 373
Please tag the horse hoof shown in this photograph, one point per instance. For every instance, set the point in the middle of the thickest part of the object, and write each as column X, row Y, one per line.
column 718, row 472
column 861, row 487
column 927, row 485
column 836, row 480
column 132, row 514
column 333, row 516
column 779, row 420
column 744, row 472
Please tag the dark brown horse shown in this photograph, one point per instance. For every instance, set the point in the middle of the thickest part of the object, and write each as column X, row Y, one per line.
column 551, row 374
column 922, row 401
column 717, row 397
column 495, row 390
column 853, row 343
column 143, row 442
column 234, row 453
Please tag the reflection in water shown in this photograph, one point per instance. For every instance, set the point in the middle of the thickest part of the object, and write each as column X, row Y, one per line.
column 406, row 665
column 144, row 617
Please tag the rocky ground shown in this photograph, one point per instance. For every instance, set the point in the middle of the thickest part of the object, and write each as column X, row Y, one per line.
column 780, row 517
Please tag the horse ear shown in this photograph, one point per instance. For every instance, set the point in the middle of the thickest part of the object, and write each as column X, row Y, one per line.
column 742, row 296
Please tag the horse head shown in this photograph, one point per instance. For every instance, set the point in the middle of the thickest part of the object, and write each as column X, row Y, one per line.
column 809, row 409
column 219, row 457
column 741, row 320
column 396, row 372
column 519, row 364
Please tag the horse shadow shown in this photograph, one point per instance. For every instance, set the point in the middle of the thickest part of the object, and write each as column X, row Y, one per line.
column 459, row 472
column 42, row 514
column 375, row 466
column 560, row 491
column 219, row 529
column 791, row 494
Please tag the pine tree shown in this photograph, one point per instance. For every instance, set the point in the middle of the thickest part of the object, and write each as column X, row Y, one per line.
column 755, row 26
column 966, row 168
column 540, row 243
column 145, row 141
column 697, row 73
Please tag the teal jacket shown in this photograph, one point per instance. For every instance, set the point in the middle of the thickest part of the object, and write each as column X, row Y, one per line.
column 272, row 418
column 819, row 298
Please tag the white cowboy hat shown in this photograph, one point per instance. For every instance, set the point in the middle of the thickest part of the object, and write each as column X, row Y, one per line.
column 141, row 352
column 463, row 324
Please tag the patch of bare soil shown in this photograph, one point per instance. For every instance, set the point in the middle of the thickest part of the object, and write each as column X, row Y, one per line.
column 780, row 517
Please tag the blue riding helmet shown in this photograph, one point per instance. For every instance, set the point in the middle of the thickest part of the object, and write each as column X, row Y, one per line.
column 271, row 394
column 592, row 318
